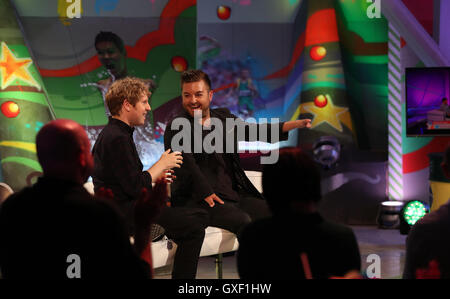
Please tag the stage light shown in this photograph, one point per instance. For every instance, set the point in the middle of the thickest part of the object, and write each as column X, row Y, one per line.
column 326, row 151
column 412, row 212
column 10, row 109
column 389, row 214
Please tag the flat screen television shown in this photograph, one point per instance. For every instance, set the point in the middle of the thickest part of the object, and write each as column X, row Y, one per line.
column 426, row 89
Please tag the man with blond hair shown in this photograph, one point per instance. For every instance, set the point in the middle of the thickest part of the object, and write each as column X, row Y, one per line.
column 119, row 168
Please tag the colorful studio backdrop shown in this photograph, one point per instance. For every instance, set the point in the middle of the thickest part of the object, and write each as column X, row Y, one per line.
column 285, row 59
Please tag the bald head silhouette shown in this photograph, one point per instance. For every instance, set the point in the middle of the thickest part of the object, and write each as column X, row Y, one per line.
column 63, row 150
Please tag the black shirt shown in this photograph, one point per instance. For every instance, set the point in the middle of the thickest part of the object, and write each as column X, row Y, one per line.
column 216, row 169
column 203, row 174
column 117, row 165
column 42, row 225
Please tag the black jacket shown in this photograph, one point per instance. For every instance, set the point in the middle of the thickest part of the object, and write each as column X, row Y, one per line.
column 191, row 184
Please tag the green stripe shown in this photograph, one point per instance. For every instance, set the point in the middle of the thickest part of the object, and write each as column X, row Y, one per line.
column 397, row 130
column 397, row 141
column 394, row 117
column 395, row 160
column 396, row 171
column 395, row 67
column 393, row 54
column 396, row 110
column 79, row 108
column 394, row 34
column 394, row 75
column 337, row 76
column 394, row 96
column 395, row 87
column 393, row 148
column 395, row 46
column 33, row 97
column 308, row 86
column 382, row 59
column 393, row 187
column 394, row 107
column 24, row 161
column 394, row 190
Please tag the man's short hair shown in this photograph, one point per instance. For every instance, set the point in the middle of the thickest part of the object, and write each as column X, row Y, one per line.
column 57, row 146
column 294, row 178
column 129, row 88
column 106, row 36
column 190, row 76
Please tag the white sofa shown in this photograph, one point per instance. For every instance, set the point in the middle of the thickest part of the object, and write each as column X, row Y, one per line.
column 217, row 240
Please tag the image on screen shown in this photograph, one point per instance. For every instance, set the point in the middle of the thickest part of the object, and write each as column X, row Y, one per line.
column 427, row 101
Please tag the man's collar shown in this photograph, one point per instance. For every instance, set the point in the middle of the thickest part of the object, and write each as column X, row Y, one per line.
column 121, row 124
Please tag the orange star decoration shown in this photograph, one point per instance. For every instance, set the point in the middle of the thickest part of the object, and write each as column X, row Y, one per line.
column 12, row 68
column 333, row 115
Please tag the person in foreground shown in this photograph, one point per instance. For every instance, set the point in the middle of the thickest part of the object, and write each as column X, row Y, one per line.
column 428, row 241
column 56, row 230
column 296, row 242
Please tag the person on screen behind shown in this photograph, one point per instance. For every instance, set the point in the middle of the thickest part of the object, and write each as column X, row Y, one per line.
column 246, row 91
column 428, row 241
column 296, row 242
column 445, row 107
column 113, row 56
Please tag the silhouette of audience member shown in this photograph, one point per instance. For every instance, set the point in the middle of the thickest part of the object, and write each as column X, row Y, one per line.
column 296, row 242
column 428, row 241
column 56, row 230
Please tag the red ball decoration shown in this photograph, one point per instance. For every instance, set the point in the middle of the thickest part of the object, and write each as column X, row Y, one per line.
column 317, row 53
column 320, row 101
column 179, row 63
column 10, row 109
column 223, row 12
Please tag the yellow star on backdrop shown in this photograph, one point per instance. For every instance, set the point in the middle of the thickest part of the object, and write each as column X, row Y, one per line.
column 12, row 68
column 330, row 114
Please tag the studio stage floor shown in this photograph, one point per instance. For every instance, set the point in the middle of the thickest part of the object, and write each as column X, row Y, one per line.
column 388, row 244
